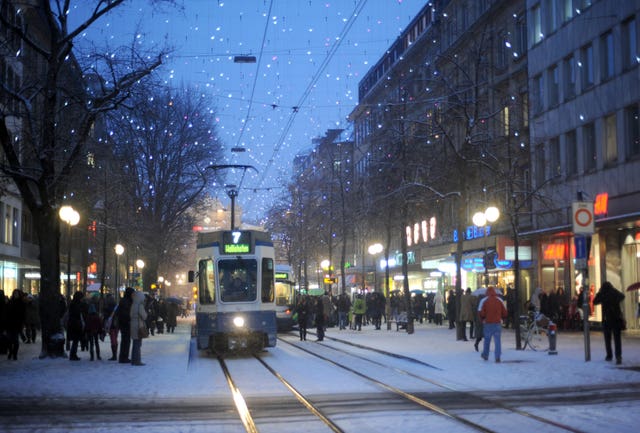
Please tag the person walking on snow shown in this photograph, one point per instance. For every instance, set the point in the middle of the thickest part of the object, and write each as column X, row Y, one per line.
column 612, row 320
column 492, row 310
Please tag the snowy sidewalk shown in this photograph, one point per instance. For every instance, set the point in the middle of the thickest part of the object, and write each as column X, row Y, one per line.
column 174, row 369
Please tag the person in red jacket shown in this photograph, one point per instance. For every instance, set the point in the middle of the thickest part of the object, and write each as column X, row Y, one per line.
column 492, row 310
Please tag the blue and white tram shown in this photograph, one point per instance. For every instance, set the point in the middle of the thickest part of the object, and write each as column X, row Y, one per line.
column 236, row 293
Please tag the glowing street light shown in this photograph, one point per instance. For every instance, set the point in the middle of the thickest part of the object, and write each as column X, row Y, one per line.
column 119, row 249
column 481, row 219
column 70, row 216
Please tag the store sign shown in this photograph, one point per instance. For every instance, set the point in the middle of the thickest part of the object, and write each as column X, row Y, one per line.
column 421, row 232
column 601, row 204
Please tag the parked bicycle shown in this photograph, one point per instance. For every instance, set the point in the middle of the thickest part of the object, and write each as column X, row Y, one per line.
column 534, row 329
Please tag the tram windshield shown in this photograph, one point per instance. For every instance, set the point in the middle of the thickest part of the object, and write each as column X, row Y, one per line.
column 237, row 280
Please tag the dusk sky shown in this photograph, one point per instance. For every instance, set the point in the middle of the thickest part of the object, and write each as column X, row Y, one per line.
column 310, row 56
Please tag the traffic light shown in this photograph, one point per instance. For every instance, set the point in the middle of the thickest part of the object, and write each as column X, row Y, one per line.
column 195, row 293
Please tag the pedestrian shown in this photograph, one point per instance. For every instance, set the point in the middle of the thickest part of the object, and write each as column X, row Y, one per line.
column 477, row 321
column 14, row 322
column 451, row 309
column 94, row 330
column 438, row 307
column 172, row 317
column 75, row 324
column 612, row 319
column 492, row 311
column 31, row 319
column 359, row 308
column 111, row 325
column 138, row 327
column 344, row 304
column 124, row 322
column 466, row 314
column 302, row 310
column 377, row 306
column 320, row 318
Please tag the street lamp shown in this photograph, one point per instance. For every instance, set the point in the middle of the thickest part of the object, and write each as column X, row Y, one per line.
column 70, row 216
column 374, row 250
column 160, row 281
column 119, row 249
column 480, row 219
column 140, row 266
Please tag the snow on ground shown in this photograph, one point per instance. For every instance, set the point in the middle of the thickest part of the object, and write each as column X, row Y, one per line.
column 176, row 370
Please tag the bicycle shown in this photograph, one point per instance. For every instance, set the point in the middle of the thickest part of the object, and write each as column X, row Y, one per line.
column 534, row 331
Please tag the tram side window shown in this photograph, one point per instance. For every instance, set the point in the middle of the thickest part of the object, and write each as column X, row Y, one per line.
column 268, row 281
column 206, row 282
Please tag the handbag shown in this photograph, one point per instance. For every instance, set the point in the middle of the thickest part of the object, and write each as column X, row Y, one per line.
column 143, row 331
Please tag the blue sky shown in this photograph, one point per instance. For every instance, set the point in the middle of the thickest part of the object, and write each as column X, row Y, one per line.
column 310, row 57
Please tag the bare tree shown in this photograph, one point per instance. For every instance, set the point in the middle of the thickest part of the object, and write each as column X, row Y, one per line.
column 164, row 140
column 47, row 115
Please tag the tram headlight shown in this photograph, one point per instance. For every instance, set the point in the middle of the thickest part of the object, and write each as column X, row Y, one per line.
column 238, row 321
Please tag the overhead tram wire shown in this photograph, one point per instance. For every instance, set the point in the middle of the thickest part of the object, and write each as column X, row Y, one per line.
column 356, row 13
column 255, row 77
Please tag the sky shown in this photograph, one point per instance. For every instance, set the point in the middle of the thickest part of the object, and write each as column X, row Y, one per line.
column 310, row 57
column 175, row 370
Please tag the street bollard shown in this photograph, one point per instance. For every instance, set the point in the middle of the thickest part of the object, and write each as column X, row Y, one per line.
column 552, row 338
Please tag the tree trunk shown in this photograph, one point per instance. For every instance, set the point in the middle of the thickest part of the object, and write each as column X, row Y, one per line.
column 50, row 299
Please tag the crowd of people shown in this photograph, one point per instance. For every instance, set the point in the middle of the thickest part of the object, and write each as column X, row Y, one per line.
column 87, row 322
column 473, row 315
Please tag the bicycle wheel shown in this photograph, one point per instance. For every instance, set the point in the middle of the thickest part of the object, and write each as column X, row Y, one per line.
column 537, row 338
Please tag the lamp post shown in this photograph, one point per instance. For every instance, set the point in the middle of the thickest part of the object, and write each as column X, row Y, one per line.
column 326, row 267
column 374, row 250
column 160, row 281
column 480, row 219
column 70, row 216
column 119, row 249
column 140, row 266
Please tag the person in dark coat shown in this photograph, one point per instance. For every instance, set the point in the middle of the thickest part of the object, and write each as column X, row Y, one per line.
column 172, row 317
column 124, row 322
column 320, row 319
column 31, row 318
column 75, row 324
column 302, row 310
column 612, row 319
column 111, row 325
column 14, row 322
column 451, row 309
column 93, row 330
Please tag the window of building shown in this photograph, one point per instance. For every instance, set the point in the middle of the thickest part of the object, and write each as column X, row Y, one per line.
column 590, row 152
column 571, row 152
column 7, row 224
column 538, row 88
column 536, row 24
column 629, row 44
column 566, row 10
column 606, row 56
column 555, row 165
column 569, row 72
column 610, row 139
column 553, row 81
column 586, row 66
column 632, row 129
column 504, row 117
column 541, row 163
column 551, row 16
column 521, row 37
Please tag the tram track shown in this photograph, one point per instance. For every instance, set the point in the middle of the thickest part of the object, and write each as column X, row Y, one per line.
column 452, row 400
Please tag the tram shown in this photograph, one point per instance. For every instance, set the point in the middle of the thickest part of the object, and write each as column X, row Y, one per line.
column 236, row 291
column 285, row 297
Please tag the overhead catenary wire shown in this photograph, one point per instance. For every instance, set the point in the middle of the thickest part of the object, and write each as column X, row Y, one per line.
column 355, row 14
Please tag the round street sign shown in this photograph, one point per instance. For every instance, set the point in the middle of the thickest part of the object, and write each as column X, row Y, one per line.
column 583, row 218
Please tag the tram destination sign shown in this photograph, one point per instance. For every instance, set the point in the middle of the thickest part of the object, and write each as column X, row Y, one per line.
column 236, row 242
